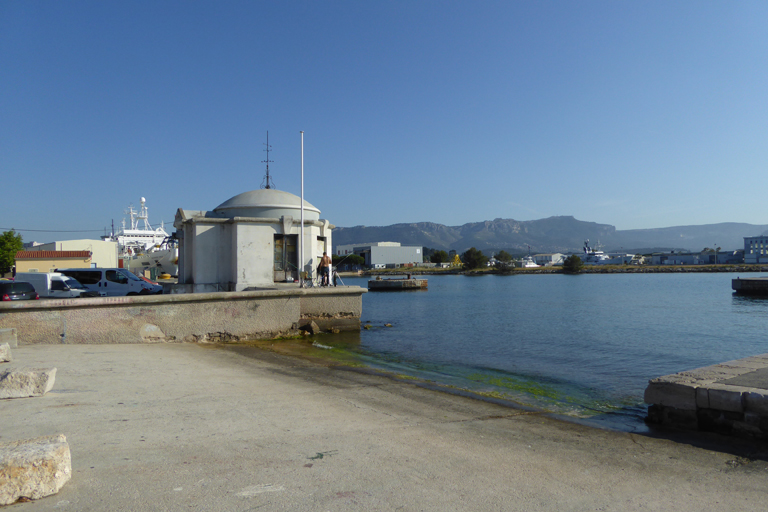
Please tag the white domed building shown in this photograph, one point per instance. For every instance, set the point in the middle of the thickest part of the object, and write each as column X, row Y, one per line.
column 248, row 242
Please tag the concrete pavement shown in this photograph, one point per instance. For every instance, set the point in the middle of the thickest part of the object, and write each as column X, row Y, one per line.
column 192, row 427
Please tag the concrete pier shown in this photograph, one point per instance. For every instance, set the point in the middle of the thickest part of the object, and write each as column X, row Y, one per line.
column 729, row 398
column 750, row 285
column 408, row 283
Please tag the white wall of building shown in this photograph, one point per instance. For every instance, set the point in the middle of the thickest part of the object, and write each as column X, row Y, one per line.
column 549, row 259
column 756, row 249
column 237, row 254
column 103, row 253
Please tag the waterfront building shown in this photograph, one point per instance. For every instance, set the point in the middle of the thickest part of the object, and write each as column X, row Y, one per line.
column 248, row 242
column 103, row 253
column 384, row 254
column 698, row 258
column 49, row 261
column 548, row 260
column 756, row 249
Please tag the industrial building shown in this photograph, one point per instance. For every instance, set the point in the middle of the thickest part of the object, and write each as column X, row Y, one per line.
column 384, row 254
column 549, row 260
column 698, row 258
column 756, row 249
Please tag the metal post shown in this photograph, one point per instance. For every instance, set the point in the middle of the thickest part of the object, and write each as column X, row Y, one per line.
column 301, row 228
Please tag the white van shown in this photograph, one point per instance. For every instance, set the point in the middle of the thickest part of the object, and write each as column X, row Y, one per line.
column 109, row 282
column 52, row 284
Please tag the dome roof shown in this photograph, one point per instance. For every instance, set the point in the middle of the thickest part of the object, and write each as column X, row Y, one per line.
column 266, row 203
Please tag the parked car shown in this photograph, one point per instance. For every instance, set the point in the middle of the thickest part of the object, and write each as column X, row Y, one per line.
column 54, row 284
column 109, row 282
column 17, row 290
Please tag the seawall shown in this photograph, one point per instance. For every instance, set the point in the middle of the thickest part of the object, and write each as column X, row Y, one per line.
column 220, row 316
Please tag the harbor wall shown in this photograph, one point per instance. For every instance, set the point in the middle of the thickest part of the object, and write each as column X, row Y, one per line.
column 729, row 398
column 220, row 316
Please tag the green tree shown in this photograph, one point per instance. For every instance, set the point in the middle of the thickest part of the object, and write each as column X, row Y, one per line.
column 10, row 244
column 439, row 257
column 572, row 264
column 473, row 258
column 504, row 256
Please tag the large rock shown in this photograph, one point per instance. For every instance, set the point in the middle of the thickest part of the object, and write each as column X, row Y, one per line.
column 34, row 468
column 5, row 353
column 311, row 328
column 25, row 382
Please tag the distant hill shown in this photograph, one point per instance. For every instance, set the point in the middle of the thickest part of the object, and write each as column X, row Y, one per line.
column 554, row 234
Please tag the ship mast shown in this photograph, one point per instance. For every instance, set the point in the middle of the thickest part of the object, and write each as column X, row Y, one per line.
column 267, row 181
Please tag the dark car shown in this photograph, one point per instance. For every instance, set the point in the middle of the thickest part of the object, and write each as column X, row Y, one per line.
column 13, row 290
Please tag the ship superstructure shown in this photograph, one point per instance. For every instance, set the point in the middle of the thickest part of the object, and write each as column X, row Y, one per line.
column 140, row 247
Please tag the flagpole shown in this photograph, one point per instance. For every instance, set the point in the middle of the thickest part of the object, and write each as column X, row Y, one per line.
column 301, row 229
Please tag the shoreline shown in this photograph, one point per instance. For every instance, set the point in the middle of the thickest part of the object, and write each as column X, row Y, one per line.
column 314, row 351
column 587, row 269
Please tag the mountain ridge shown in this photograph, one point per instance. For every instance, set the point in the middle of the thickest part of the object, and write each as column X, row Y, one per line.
column 552, row 234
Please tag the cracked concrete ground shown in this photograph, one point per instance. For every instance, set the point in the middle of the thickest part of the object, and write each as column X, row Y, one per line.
column 189, row 427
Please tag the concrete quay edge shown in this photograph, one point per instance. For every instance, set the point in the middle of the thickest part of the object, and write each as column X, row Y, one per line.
column 94, row 302
column 702, row 399
column 750, row 285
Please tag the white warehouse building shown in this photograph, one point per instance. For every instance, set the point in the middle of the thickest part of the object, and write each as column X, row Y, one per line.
column 756, row 249
column 384, row 254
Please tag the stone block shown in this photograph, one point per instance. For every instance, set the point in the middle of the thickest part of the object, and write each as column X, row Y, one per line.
column 726, row 400
column 756, row 401
column 26, row 382
column 677, row 418
column 311, row 328
column 9, row 336
column 702, row 398
column 34, row 468
column 752, row 419
column 670, row 394
column 5, row 353
column 743, row 429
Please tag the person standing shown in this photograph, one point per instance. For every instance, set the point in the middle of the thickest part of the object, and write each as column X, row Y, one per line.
column 324, row 269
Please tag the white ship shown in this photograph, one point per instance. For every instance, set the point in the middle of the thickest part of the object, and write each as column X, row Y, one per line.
column 528, row 261
column 141, row 248
column 594, row 256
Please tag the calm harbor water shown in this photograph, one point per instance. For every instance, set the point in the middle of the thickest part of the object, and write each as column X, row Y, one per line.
column 584, row 346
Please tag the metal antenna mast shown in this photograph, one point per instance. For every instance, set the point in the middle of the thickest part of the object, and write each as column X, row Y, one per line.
column 267, row 181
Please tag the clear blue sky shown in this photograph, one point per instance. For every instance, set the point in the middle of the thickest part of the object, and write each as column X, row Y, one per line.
column 637, row 114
